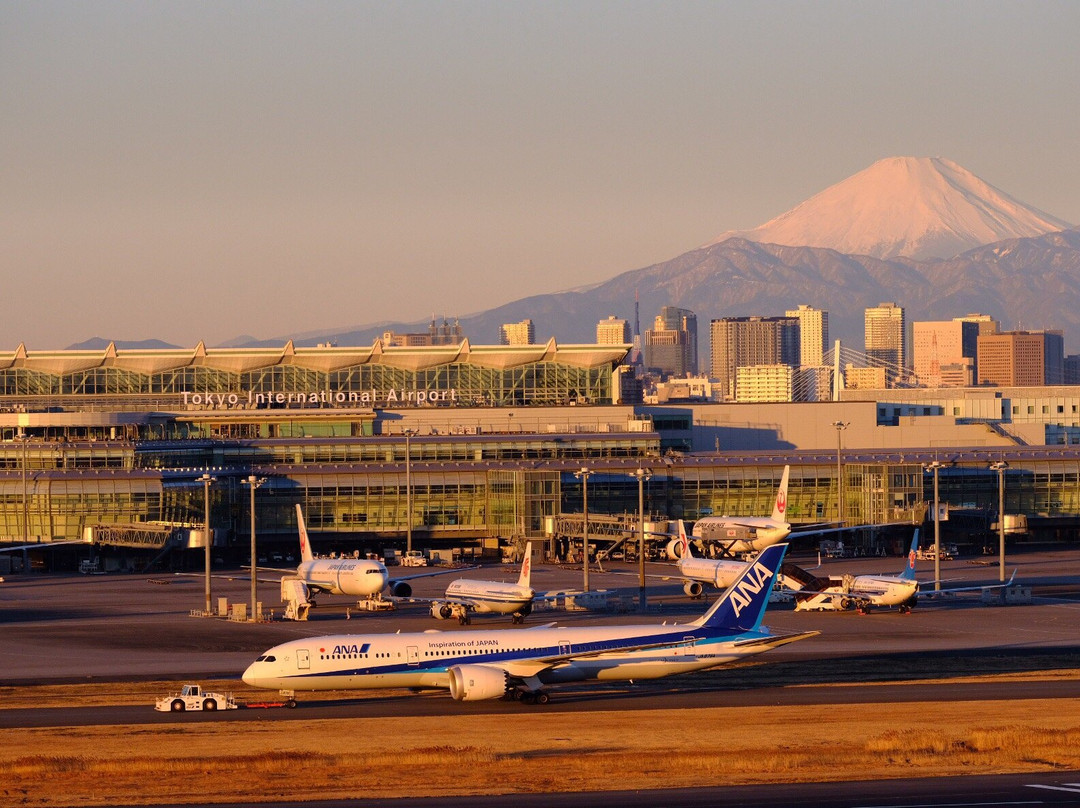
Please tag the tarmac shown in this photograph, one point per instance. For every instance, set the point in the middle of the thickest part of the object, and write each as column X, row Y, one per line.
column 117, row 627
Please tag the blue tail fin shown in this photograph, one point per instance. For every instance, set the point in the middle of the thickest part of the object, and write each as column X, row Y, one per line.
column 742, row 605
column 909, row 571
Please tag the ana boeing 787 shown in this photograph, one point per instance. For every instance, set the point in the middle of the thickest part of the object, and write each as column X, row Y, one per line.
column 489, row 664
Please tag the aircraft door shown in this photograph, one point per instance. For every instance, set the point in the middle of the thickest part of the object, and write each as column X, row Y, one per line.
column 564, row 649
column 686, row 648
column 412, row 655
column 303, row 659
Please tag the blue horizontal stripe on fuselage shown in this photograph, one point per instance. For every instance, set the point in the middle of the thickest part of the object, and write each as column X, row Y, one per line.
column 626, row 644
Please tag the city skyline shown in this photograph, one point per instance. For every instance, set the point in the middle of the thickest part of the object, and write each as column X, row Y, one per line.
column 194, row 172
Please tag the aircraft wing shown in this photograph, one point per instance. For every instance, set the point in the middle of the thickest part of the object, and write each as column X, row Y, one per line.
column 776, row 640
column 929, row 593
column 431, row 574
column 821, row 531
column 237, row 577
column 531, row 667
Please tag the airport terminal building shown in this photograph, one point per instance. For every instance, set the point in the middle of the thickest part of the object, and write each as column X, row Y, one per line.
column 458, row 446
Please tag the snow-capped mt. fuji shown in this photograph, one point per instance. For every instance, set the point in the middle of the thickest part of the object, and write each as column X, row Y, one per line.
column 916, row 207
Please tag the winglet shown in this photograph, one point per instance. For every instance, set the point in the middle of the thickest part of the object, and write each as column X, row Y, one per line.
column 742, row 605
column 780, row 506
column 908, row 573
column 526, row 567
column 305, row 545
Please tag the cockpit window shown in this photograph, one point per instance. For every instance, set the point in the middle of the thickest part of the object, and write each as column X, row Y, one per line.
column 372, row 572
column 267, row 658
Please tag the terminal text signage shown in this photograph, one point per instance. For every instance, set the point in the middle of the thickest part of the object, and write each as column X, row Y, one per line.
column 325, row 398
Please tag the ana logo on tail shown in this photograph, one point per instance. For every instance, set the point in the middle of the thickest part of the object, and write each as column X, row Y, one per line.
column 751, row 583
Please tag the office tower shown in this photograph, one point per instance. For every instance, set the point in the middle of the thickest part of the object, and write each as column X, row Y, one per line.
column 521, row 333
column 885, row 330
column 939, row 346
column 739, row 342
column 813, row 334
column 613, row 331
column 671, row 345
column 1021, row 358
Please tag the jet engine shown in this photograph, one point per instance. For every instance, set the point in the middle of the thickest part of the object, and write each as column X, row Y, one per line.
column 692, row 588
column 674, row 549
column 476, row 683
column 441, row 610
column 400, row 589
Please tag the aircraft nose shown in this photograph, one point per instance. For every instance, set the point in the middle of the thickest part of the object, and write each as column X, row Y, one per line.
column 250, row 677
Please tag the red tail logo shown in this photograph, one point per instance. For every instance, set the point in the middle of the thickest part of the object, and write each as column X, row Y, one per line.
column 781, row 501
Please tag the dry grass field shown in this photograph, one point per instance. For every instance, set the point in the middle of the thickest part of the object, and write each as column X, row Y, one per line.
column 536, row 751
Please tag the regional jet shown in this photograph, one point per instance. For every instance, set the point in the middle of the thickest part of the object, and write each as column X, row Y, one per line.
column 490, row 664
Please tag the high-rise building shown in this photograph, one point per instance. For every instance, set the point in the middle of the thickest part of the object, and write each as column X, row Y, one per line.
column 613, row 331
column 671, row 345
column 1021, row 358
column 986, row 323
column 522, row 333
column 886, row 327
column 764, row 383
column 939, row 344
column 739, row 342
column 813, row 334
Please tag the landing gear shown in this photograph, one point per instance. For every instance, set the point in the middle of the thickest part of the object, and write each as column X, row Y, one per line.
column 517, row 617
column 530, row 696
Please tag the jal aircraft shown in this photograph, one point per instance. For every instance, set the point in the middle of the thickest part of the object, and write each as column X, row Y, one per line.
column 863, row 591
column 464, row 596
column 358, row 577
column 743, row 534
column 489, row 664
column 750, row 534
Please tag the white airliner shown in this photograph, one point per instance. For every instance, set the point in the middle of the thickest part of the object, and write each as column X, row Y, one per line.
column 718, row 572
column 489, row 664
column 863, row 591
column 743, row 534
column 750, row 534
column 465, row 596
column 358, row 577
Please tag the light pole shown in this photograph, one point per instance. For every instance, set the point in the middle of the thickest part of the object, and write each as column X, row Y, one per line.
column 840, row 427
column 584, row 475
column 23, row 437
column 642, row 477
column 1000, row 467
column 254, row 482
column 935, row 467
column 408, row 491
column 206, row 479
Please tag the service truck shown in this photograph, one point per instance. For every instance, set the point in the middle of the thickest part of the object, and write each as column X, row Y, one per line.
column 193, row 697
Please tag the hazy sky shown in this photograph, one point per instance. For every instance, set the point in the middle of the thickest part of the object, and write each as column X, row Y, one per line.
column 192, row 170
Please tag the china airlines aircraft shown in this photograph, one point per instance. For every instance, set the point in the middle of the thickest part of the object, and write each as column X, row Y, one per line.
column 490, row 664
column 718, row 572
